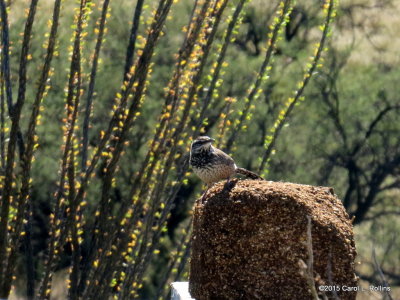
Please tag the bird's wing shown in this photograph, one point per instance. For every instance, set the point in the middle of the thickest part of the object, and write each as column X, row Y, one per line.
column 223, row 157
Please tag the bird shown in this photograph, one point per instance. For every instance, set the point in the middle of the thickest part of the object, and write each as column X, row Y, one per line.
column 211, row 164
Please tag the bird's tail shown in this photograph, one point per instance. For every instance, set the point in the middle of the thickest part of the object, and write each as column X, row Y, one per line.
column 248, row 173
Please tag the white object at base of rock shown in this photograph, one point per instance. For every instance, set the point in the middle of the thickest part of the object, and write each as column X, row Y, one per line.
column 180, row 291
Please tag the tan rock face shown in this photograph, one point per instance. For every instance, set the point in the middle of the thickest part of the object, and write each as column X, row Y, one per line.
column 248, row 241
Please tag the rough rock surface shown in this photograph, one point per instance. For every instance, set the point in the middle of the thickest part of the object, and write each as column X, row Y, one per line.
column 249, row 238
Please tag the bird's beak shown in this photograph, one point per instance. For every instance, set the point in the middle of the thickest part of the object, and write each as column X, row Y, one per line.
column 212, row 140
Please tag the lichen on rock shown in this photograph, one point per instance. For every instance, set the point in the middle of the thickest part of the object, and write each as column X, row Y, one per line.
column 249, row 240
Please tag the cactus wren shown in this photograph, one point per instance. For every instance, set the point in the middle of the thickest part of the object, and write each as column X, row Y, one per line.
column 212, row 164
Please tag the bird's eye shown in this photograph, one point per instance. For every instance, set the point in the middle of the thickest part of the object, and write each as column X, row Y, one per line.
column 198, row 143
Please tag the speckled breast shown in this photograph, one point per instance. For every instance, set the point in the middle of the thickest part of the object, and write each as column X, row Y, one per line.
column 215, row 172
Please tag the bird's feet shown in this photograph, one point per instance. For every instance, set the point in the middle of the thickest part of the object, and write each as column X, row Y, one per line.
column 203, row 198
column 229, row 184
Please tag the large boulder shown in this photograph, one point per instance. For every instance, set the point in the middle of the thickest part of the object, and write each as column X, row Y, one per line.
column 250, row 242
